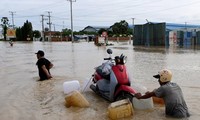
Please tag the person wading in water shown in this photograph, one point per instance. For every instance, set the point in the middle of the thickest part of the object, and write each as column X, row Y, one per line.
column 44, row 66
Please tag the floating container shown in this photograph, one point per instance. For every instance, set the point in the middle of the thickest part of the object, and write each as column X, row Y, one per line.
column 76, row 99
column 157, row 100
column 120, row 109
column 70, row 86
column 143, row 104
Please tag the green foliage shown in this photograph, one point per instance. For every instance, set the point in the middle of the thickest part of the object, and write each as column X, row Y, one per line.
column 25, row 32
column 4, row 20
column 36, row 34
column 66, row 32
column 18, row 34
column 101, row 31
column 120, row 28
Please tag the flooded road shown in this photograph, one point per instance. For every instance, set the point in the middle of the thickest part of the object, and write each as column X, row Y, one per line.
column 22, row 97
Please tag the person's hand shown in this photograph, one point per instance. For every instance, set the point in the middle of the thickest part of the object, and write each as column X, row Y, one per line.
column 147, row 92
column 138, row 95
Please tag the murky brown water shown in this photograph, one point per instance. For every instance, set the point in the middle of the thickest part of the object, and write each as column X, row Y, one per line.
column 22, row 97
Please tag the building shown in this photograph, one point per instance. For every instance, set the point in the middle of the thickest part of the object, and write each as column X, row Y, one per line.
column 95, row 28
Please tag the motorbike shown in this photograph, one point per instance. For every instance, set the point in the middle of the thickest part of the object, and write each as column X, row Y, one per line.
column 116, row 85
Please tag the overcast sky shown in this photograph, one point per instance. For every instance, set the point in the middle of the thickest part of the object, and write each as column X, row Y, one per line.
column 100, row 12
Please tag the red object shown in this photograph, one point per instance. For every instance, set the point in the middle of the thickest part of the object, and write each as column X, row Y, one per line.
column 97, row 77
column 125, row 88
column 104, row 34
column 121, row 74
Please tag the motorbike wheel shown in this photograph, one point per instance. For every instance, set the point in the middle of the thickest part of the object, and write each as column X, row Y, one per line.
column 124, row 95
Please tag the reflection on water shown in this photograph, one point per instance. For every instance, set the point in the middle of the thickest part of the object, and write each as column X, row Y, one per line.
column 23, row 97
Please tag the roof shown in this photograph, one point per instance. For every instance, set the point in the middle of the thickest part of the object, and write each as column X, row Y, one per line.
column 169, row 26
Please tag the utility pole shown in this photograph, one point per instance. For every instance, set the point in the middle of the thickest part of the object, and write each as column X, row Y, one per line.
column 62, row 31
column 72, row 36
column 54, row 27
column 133, row 27
column 49, row 25
column 185, row 26
column 12, row 14
column 43, row 36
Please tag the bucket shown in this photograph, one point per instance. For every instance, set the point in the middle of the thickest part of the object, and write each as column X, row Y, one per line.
column 70, row 86
column 76, row 99
column 120, row 109
column 157, row 100
column 143, row 104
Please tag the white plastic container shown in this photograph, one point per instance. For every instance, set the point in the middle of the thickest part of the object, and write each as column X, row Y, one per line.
column 143, row 104
column 70, row 86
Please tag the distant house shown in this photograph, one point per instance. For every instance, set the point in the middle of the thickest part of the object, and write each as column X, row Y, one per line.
column 94, row 28
column 55, row 36
column 169, row 27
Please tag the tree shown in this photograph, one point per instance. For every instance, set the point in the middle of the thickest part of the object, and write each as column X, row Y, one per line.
column 66, row 32
column 101, row 31
column 36, row 34
column 18, row 34
column 120, row 28
column 25, row 32
column 4, row 20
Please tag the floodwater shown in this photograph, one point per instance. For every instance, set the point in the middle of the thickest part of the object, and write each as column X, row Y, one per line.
column 22, row 97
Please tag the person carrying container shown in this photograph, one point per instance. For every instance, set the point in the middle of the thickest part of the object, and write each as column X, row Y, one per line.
column 175, row 105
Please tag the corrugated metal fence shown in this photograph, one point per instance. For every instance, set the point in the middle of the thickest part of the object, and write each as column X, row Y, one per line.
column 150, row 34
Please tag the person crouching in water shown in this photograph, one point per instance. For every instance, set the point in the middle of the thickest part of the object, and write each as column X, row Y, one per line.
column 44, row 66
column 11, row 43
column 175, row 105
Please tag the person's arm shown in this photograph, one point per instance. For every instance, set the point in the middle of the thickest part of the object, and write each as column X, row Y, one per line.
column 46, row 72
column 50, row 65
column 147, row 95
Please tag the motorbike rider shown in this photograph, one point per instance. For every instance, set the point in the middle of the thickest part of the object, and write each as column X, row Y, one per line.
column 175, row 105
